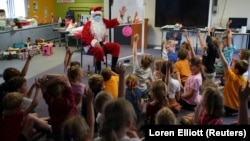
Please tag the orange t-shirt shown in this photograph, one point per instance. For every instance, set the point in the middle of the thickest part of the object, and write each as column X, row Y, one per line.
column 182, row 66
column 111, row 86
column 232, row 85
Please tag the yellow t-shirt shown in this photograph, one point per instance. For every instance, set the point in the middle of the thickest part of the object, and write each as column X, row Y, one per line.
column 111, row 86
column 232, row 85
column 182, row 66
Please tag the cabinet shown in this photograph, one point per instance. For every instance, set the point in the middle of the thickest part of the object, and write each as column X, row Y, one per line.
column 8, row 38
column 137, row 28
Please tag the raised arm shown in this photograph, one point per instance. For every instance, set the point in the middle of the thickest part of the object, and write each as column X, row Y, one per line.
column 50, row 79
column 189, row 41
column 228, row 24
column 229, row 36
column 30, row 90
column 223, row 59
column 202, row 43
column 168, row 73
column 35, row 100
column 135, row 43
column 121, row 89
column 26, row 66
column 90, row 110
column 243, row 108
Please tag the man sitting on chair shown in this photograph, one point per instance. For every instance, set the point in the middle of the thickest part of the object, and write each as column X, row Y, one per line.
column 94, row 36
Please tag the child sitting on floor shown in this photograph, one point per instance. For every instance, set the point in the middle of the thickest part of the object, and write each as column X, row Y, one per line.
column 16, row 123
column 111, row 81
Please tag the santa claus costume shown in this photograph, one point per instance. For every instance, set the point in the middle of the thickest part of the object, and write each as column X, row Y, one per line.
column 94, row 38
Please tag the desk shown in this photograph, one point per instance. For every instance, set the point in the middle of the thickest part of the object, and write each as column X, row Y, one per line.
column 63, row 32
column 71, row 35
column 234, row 33
column 55, row 29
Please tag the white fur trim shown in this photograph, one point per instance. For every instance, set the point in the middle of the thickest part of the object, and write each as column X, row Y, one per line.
column 86, row 48
column 97, row 12
column 120, row 20
column 93, row 42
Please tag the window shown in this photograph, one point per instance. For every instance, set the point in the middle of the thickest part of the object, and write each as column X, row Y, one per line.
column 14, row 8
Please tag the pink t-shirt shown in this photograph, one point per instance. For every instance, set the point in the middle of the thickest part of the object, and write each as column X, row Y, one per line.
column 193, row 82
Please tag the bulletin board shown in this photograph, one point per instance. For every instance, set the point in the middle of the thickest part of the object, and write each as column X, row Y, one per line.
column 132, row 7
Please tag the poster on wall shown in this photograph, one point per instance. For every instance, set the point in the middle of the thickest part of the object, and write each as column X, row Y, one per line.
column 134, row 8
column 35, row 6
column 65, row 1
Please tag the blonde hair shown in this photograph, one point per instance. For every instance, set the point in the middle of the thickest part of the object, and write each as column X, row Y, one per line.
column 101, row 99
column 117, row 114
column 165, row 116
column 12, row 102
column 75, row 129
column 74, row 71
column 146, row 61
column 131, row 80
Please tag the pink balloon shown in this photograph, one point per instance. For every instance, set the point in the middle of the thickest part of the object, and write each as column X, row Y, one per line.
column 126, row 31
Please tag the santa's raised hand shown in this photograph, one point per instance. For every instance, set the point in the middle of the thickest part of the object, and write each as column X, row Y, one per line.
column 122, row 11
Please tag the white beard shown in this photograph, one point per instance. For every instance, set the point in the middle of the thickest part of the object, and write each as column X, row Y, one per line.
column 98, row 30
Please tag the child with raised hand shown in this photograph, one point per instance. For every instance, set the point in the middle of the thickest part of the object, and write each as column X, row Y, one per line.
column 100, row 100
column 67, row 58
column 243, row 93
column 227, row 50
column 159, row 100
column 244, row 54
column 19, row 84
column 173, row 85
column 77, row 128
column 209, row 53
column 75, row 75
column 165, row 116
column 234, row 80
column 59, row 96
column 16, row 123
column 10, row 73
column 191, row 96
column 119, row 122
column 169, row 48
column 157, row 74
column 142, row 71
column 181, row 67
column 134, row 94
column 111, row 81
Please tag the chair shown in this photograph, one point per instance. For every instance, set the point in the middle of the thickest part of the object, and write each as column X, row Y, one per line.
column 170, row 34
column 83, row 52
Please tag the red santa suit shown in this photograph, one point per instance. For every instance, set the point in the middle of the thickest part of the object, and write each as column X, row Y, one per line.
column 94, row 32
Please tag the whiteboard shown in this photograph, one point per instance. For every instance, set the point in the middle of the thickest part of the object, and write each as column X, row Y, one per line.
column 131, row 5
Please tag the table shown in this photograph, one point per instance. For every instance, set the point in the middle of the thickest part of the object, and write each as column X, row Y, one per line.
column 55, row 29
column 236, row 33
column 63, row 32
column 71, row 35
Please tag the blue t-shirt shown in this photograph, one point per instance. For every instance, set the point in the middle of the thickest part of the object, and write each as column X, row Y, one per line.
column 135, row 98
column 172, row 56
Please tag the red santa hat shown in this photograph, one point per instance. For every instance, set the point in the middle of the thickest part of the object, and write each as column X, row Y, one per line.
column 96, row 10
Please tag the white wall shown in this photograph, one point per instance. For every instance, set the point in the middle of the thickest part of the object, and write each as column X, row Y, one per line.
column 233, row 8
